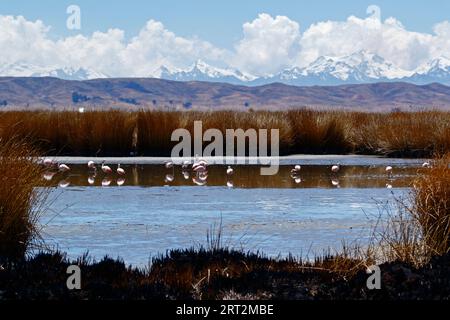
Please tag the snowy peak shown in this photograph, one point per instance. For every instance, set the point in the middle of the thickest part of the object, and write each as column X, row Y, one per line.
column 202, row 71
column 439, row 65
column 359, row 66
column 22, row 69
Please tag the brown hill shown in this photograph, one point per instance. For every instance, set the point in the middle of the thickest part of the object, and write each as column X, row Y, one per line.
column 134, row 93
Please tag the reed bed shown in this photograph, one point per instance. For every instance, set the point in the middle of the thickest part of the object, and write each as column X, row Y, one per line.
column 117, row 133
column 19, row 199
column 418, row 228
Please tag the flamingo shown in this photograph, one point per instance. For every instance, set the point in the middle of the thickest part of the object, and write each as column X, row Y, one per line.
column 230, row 171
column 106, row 169
column 389, row 170
column 64, row 184
column 296, row 169
column 48, row 176
column 199, row 163
column 169, row 178
column 335, row 168
column 106, row 182
column 63, row 167
column 169, row 165
column 199, row 181
column 91, row 165
column 91, row 180
column 335, row 182
column 48, row 162
column 120, row 182
column 199, row 168
column 186, row 175
column 203, row 162
column 186, row 164
column 120, row 171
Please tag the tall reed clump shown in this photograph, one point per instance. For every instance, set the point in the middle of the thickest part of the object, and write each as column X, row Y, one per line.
column 154, row 131
column 319, row 132
column 73, row 133
column 19, row 199
column 419, row 227
column 432, row 205
column 417, row 134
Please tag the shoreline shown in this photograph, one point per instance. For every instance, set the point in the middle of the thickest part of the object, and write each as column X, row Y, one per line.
column 223, row 274
column 302, row 159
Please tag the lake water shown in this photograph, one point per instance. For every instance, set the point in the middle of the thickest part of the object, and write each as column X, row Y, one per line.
column 152, row 209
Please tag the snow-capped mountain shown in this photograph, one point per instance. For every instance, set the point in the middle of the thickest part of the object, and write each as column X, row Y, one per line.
column 437, row 70
column 201, row 71
column 22, row 69
column 359, row 67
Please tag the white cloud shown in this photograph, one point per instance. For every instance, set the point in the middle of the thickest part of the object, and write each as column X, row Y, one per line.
column 268, row 44
column 156, row 46
column 387, row 38
column 106, row 52
column 24, row 40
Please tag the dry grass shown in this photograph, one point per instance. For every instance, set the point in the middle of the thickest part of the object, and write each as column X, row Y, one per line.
column 418, row 228
column 432, row 206
column 116, row 133
column 19, row 200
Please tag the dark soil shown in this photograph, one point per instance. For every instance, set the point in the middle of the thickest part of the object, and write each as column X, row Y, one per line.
column 232, row 274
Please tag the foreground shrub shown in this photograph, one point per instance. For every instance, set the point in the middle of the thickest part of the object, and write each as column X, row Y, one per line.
column 19, row 199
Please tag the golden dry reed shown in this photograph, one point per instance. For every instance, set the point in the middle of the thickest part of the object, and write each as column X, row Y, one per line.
column 117, row 133
column 20, row 200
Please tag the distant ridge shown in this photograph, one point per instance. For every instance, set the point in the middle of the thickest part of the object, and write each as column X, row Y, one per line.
column 360, row 67
column 148, row 93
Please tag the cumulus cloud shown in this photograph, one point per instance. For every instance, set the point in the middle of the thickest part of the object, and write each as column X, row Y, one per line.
column 156, row 46
column 24, row 40
column 389, row 39
column 268, row 45
column 107, row 52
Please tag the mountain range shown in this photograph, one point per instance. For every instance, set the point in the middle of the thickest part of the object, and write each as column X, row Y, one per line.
column 357, row 68
column 50, row 93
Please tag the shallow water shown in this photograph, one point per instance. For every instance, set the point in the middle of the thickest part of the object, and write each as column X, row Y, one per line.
column 150, row 213
column 135, row 223
column 245, row 176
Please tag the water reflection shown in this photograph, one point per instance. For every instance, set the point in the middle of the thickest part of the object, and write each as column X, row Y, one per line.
column 310, row 176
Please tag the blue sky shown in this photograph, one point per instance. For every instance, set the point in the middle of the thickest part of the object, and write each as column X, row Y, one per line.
column 258, row 37
column 219, row 22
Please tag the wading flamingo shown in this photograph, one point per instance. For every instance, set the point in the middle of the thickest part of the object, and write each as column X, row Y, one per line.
column 63, row 167
column 91, row 165
column 389, row 170
column 48, row 162
column 169, row 165
column 335, row 168
column 120, row 171
column 106, row 169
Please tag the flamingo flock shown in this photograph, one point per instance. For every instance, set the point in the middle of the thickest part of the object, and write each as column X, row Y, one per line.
column 295, row 173
column 199, row 169
column 92, row 167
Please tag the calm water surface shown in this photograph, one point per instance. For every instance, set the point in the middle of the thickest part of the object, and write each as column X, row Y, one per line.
column 152, row 209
